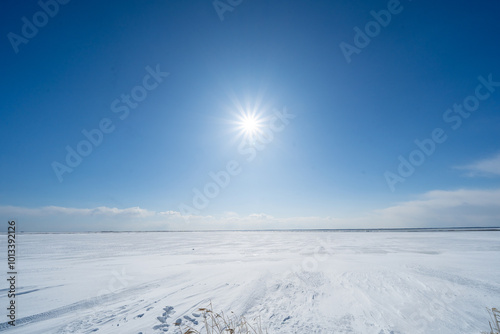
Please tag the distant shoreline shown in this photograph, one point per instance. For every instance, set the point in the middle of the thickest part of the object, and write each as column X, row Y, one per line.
column 377, row 230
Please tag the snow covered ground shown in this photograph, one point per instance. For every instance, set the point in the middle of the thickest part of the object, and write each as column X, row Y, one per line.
column 297, row 282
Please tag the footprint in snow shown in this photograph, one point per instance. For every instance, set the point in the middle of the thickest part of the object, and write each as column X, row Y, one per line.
column 188, row 318
column 163, row 327
column 168, row 310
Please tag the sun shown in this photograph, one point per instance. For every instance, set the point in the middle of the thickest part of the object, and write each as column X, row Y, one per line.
column 248, row 119
column 250, row 125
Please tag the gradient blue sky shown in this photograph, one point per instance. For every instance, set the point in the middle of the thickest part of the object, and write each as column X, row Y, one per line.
column 325, row 169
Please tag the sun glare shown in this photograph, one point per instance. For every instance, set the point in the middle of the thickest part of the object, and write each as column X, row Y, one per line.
column 248, row 119
column 249, row 125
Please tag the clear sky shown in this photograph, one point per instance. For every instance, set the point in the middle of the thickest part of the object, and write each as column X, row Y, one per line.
column 174, row 115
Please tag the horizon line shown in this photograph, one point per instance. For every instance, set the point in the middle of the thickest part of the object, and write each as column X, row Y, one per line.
column 389, row 229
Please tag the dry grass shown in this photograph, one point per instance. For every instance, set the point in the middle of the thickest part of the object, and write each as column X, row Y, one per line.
column 219, row 323
column 495, row 321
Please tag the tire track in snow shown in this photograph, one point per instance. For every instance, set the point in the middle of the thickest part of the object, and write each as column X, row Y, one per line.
column 84, row 304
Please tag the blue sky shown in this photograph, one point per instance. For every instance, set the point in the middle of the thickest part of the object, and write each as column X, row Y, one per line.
column 334, row 161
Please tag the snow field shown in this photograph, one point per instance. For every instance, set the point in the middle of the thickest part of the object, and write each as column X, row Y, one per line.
column 296, row 282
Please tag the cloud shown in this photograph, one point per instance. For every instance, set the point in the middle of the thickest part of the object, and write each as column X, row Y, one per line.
column 485, row 167
column 260, row 216
column 438, row 208
column 58, row 210
column 441, row 208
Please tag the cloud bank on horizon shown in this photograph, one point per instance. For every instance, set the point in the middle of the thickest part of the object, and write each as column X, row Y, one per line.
column 438, row 208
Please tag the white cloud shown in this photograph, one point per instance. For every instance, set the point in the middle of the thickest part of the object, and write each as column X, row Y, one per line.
column 441, row 208
column 485, row 167
column 260, row 216
column 438, row 208
column 58, row 210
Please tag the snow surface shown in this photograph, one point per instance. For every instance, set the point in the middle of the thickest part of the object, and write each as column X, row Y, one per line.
column 297, row 282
